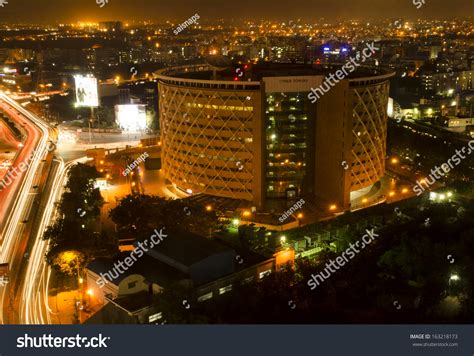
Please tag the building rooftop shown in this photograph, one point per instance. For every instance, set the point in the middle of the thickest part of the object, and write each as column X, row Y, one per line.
column 153, row 270
column 188, row 248
column 255, row 73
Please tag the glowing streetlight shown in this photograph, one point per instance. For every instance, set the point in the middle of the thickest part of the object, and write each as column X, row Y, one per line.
column 394, row 160
column 208, row 207
column 236, row 222
column 333, row 207
column 454, row 277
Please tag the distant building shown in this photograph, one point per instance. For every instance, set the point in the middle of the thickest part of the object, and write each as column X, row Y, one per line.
column 442, row 83
column 112, row 26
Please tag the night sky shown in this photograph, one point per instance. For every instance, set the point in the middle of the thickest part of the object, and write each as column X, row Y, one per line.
column 41, row 11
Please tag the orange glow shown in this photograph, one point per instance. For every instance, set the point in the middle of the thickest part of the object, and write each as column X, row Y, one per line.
column 391, row 194
column 246, row 213
column 404, row 190
column 300, row 216
column 394, row 160
column 209, row 208
column 285, row 257
column 333, row 207
column 364, row 200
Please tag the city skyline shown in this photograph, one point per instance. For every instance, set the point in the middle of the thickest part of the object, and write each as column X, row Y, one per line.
column 54, row 11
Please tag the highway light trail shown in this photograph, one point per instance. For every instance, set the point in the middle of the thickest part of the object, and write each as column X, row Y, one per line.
column 34, row 308
column 22, row 201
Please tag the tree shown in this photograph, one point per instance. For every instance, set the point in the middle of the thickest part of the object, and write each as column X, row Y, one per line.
column 140, row 214
column 74, row 232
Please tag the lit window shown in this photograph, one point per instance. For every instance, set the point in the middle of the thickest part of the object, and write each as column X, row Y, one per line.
column 155, row 317
column 205, row 297
column 247, row 280
column 225, row 289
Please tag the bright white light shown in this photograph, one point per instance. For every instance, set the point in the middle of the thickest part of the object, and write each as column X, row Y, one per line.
column 454, row 277
column 131, row 117
column 283, row 239
column 433, row 195
column 450, row 194
column 189, row 191
column 442, row 197
column 390, row 107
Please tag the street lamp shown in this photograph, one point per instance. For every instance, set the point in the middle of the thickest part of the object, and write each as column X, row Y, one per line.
column 454, row 277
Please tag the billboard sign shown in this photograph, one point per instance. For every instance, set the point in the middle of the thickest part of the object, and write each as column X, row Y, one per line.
column 131, row 117
column 86, row 91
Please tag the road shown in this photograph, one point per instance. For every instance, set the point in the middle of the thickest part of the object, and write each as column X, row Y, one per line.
column 20, row 199
column 34, row 291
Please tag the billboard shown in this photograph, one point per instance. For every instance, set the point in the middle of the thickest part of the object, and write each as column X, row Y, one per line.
column 86, row 91
column 131, row 117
